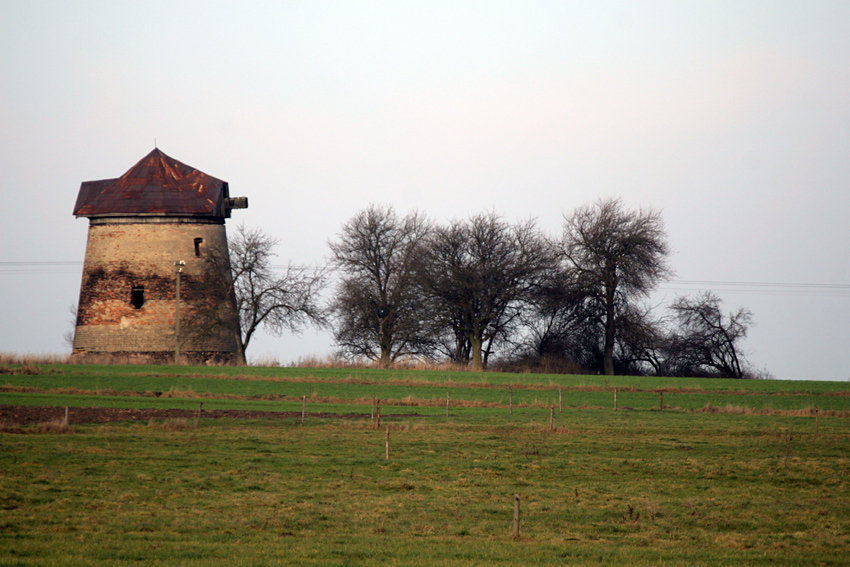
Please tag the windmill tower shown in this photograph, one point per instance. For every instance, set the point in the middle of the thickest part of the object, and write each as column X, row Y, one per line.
column 151, row 231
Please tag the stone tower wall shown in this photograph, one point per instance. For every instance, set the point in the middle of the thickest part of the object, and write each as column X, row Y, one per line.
column 140, row 253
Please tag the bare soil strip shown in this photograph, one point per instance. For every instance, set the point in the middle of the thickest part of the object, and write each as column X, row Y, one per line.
column 30, row 415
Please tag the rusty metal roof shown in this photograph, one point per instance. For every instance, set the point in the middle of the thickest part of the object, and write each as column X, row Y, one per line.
column 158, row 185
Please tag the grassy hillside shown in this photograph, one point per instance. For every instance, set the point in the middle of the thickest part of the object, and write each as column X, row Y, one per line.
column 764, row 482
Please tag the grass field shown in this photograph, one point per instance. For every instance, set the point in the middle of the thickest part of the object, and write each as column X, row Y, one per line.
column 765, row 481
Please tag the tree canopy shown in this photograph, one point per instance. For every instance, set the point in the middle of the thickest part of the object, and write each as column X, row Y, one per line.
column 376, row 308
column 707, row 342
column 615, row 257
column 478, row 274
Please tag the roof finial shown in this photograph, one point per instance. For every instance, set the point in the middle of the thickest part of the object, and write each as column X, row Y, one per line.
column 154, row 143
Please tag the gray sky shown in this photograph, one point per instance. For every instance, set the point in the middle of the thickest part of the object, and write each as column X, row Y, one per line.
column 732, row 118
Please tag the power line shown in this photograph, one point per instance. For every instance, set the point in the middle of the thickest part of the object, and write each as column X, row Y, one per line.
column 805, row 289
column 762, row 284
column 4, row 265
column 40, row 264
column 63, row 267
column 759, row 288
column 40, row 267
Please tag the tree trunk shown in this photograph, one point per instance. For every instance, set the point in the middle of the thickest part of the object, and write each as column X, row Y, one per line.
column 385, row 343
column 477, row 360
column 240, row 350
column 610, row 317
column 386, row 359
column 608, row 353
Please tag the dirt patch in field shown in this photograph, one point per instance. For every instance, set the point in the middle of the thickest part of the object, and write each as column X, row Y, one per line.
column 30, row 415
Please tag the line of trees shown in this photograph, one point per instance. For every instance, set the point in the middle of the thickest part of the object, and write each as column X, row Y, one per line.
column 483, row 291
column 480, row 289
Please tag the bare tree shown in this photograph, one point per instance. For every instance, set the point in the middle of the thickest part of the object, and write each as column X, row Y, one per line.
column 566, row 331
column 262, row 295
column 553, row 316
column 706, row 341
column 377, row 307
column 640, row 345
column 616, row 257
column 479, row 273
column 451, row 341
column 552, row 326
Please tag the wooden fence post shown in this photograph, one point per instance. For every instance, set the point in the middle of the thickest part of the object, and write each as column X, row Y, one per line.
column 388, row 442
column 303, row 408
column 447, row 404
column 66, row 415
column 198, row 418
column 551, row 418
column 372, row 419
column 516, row 515
column 560, row 401
column 660, row 401
column 787, row 448
column 511, row 400
column 377, row 413
column 817, row 420
column 615, row 399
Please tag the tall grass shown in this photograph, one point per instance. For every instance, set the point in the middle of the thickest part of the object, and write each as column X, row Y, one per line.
column 7, row 358
column 403, row 364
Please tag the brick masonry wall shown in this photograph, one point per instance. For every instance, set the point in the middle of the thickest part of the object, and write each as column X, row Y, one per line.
column 120, row 257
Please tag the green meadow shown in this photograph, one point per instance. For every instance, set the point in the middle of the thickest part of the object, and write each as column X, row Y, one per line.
column 723, row 473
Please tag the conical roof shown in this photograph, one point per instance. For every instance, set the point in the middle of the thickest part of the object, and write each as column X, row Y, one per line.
column 158, row 185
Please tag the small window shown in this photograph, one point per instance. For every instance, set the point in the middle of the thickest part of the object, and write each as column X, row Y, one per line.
column 137, row 296
column 199, row 246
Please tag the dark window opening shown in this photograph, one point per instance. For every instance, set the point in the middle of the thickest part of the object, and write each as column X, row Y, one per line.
column 137, row 296
column 199, row 243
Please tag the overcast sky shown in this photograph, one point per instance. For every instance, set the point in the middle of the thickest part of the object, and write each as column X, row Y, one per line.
column 732, row 118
